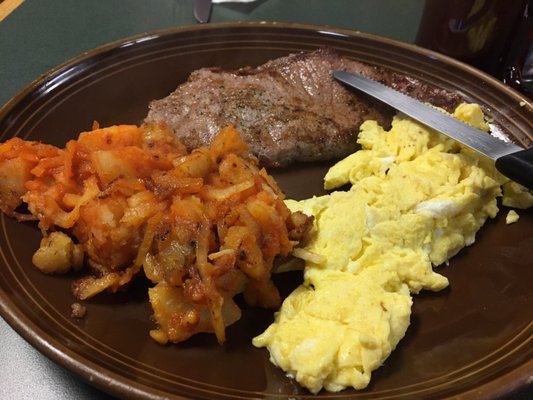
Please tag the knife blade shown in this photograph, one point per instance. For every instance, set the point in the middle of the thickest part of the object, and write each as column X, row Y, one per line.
column 511, row 160
column 202, row 10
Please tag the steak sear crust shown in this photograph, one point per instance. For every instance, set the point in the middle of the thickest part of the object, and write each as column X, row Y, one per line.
column 289, row 109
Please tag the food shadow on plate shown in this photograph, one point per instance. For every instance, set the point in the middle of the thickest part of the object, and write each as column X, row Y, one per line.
column 302, row 180
column 135, row 292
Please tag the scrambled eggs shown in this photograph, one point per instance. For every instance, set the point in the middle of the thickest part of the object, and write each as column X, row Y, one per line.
column 416, row 199
column 512, row 217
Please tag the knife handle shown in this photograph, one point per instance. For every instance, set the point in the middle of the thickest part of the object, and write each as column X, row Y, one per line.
column 518, row 166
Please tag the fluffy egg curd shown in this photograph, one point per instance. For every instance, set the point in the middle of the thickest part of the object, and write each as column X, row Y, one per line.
column 416, row 199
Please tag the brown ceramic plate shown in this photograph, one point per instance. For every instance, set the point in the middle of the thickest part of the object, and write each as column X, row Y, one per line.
column 472, row 340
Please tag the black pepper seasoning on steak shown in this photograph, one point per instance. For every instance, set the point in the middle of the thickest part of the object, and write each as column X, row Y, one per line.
column 288, row 109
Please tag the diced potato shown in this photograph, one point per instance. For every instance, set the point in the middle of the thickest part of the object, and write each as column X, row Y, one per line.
column 178, row 318
column 57, row 253
column 195, row 165
column 227, row 141
column 109, row 166
column 234, row 169
column 13, row 175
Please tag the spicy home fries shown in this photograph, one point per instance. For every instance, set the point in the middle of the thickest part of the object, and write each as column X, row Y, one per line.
column 201, row 226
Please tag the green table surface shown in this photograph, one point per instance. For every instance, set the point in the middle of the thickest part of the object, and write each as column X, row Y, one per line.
column 41, row 34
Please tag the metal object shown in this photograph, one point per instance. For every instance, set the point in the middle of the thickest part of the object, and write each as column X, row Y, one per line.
column 202, row 10
column 511, row 160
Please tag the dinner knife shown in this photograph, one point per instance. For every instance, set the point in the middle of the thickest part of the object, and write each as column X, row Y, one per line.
column 511, row 160
column 202, row 10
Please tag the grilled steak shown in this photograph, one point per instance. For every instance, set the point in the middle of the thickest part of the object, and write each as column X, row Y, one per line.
column 289, row 109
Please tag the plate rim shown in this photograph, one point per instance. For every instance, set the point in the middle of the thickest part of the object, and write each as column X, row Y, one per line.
column 119, row 385
column 259, row 24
